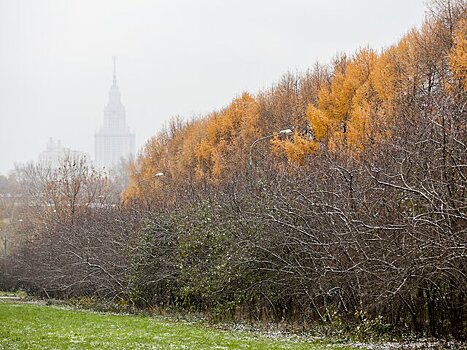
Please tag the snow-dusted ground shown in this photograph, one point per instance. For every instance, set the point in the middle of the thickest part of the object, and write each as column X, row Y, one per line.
column 413, row 345
column 428, row 344
column 277, row 333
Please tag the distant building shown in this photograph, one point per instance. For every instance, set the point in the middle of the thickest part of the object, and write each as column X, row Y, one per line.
column 55, row 153
column 114, row 140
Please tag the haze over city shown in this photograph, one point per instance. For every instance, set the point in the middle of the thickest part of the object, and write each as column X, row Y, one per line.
column 174, row 58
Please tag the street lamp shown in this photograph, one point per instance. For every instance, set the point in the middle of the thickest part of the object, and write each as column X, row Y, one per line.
column 158, row 177
column 282, row 132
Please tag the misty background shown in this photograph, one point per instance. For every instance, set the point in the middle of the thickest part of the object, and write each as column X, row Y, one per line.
column 174, row 58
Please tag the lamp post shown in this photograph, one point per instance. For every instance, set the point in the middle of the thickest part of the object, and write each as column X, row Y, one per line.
column 282, row 132
column 158, row 178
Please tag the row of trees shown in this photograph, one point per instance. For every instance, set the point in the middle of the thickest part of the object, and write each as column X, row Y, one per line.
column 359, row 215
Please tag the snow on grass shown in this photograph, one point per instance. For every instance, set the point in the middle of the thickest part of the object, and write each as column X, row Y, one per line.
column 26, row 326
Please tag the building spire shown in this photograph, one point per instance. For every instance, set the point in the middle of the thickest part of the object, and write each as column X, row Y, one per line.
column 114, row 59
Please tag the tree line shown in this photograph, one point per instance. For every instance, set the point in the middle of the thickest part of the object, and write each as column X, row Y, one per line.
column 357, row 216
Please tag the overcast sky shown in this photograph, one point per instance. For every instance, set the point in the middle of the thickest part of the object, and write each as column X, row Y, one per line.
column 175, row 57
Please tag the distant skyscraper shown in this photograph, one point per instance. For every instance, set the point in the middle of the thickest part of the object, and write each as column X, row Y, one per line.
column 55, row 153
column 114, row 139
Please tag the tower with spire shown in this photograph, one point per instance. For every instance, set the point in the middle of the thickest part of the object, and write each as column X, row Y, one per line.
column 114, row 140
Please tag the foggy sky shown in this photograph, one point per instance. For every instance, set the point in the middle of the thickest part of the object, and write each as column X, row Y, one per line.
column 177, row 57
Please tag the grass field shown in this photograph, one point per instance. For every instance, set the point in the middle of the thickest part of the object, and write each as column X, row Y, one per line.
column 28, row 326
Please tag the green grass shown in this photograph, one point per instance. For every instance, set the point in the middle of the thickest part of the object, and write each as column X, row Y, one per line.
column 27, row 326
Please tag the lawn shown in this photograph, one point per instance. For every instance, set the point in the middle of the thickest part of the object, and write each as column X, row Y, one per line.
column 28, row 326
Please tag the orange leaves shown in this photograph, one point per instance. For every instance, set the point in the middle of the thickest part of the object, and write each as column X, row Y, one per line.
column 229, row 132
column 385, row 77
column 208, row 149
column 322, row 125
column 343, row 108
column 349, row 110
column 296, row 149
column 458, row 54
column 203, row 151
column 359, row 105
column 143, row 183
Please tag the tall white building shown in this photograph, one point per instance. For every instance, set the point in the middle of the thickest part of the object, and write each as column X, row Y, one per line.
column 114, row 140
column 55, row 153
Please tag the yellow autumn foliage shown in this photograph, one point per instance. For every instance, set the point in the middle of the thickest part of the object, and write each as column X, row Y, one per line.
column 348, row 108
column 458, row 54
column 296, row 149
